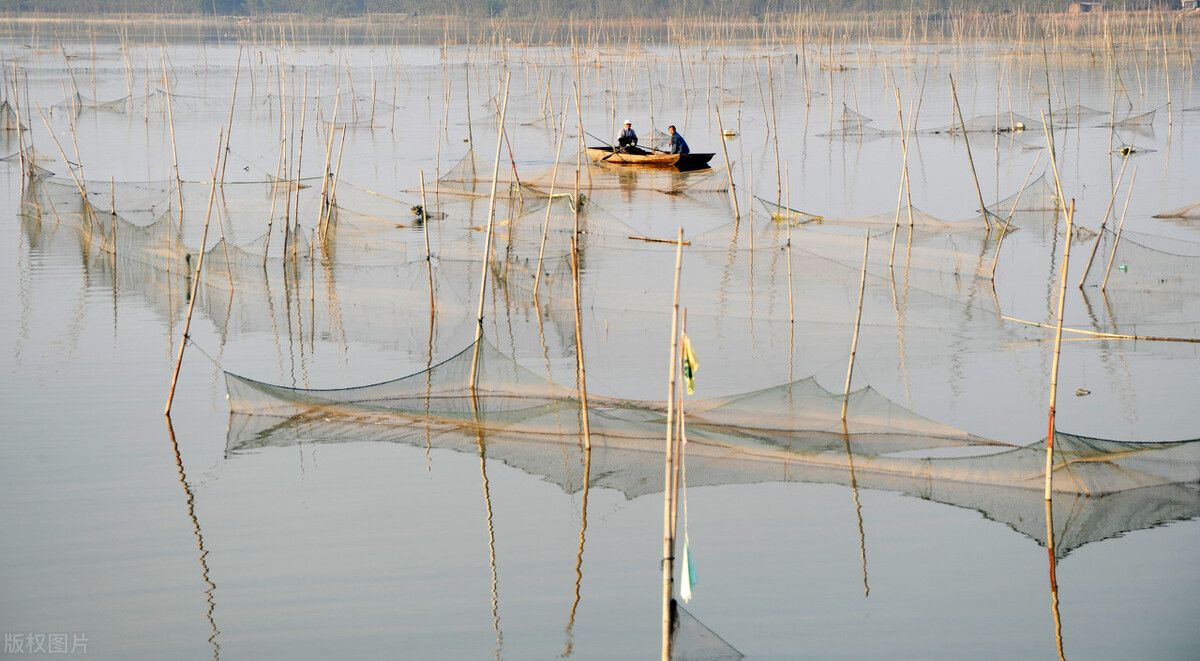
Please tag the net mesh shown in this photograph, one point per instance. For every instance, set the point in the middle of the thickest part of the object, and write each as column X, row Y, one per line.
column 8, row 118
column 1186, row 212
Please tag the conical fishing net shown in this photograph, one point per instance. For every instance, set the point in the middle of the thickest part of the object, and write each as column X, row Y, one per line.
column 8, row 118
column 1187, row 212
column 1142, row 121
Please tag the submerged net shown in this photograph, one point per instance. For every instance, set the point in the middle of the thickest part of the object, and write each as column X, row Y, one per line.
column 789, row 433
column 1004, row 122
column 1141, row 121
column 792, row 425
column 8, row 118
column 1139, row 262
column 692, row 640
column 1186, row 212
column 786, row 215
column 1073, row 116
column 1038, row 195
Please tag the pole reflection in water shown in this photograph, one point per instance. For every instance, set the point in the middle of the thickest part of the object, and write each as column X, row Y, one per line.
column 862, row 535
column 491, row 530
column 587, row 478
column 211, row 588
column 1053, row 562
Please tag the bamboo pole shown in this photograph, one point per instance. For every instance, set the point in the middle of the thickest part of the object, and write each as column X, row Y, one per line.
column 668, row 561
column 1062, row 299
column 1120, row 227
column 737, row 212
column 562, row 125
column 187, row 321
column 862, row 288
column 1008, row 219
column 1062, row 202
column 428, row 255
column 903, row 179
column 1104, row 221
column 487, row 244
column 970, row 159
column 581, row 369
column 300, row 158
column 229, row 128
column 791, row 279
column 171, row 124
column 325, row 174
column 1107, row 336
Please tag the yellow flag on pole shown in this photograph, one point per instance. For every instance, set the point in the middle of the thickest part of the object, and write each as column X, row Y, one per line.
column 690, row 365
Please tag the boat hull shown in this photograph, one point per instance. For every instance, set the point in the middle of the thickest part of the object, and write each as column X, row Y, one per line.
column 692, row 161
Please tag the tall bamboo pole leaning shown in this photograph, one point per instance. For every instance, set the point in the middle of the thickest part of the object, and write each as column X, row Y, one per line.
column 232, row 104
column 1008, row 220
column 171, row 124
column 862, row 289
column 970, row 159
column 1103, row 222
column 487, row 243
column 187, row 321
column 737, row 212
column 1062, row 299
column 581, row 369
column 668, row 561
column 562, row 125
column 1120, row 228
column 428, row 255
column 323, row 217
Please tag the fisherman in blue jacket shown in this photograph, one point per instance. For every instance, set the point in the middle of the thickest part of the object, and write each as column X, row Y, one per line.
column 628, row 137
column 678, row 144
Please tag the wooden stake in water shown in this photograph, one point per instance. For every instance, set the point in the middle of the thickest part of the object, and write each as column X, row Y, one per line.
column 970, row 160
column 1120, row 227
column 428, row 255
column 862, row 288
column 579, row 356
column 187, row 321
column 737, row 213
column 1062, row 299
column 487, row 243
column 1103, row 222
column 1008, row 220
column 562, row 125
column 668, row 561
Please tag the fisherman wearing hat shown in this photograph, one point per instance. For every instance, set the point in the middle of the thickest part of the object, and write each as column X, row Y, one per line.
column 628, row 137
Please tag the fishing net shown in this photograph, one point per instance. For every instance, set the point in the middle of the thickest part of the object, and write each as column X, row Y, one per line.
column 852, row 118
column 1186, row 212
column 786, row 215
column 692, row 640
column 854, row 130
column 1039, row 195
column 8, row 118
column 78, row 103
column 1140, row 122
column 534, row 426
column 1074, row 116
column 1140, row 262
column 1004, row 122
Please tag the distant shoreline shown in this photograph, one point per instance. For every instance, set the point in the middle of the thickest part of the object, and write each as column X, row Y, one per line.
column 788, row 30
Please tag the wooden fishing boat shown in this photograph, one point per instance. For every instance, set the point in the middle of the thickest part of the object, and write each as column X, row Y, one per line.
column 654, row 159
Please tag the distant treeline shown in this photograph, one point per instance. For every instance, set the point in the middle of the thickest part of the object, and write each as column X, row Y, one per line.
column 558, row 8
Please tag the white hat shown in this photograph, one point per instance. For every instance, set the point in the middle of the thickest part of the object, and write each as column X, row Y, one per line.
column 629, row 122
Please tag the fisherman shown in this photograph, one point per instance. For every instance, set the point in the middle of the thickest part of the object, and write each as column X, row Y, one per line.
column 628, row 137
column 678, row 144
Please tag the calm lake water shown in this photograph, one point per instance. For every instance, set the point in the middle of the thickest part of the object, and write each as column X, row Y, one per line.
column 205, row 540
